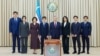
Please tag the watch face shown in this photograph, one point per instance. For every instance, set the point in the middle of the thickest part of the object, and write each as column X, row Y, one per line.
column 51, row 50
column 52, row 7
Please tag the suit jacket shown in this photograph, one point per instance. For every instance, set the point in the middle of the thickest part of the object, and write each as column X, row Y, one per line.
column 75, row 28
column 86, row 28
column 55, row 31
column 66, row 29
column 24, row 29
column 44, row 29
column 14, row 25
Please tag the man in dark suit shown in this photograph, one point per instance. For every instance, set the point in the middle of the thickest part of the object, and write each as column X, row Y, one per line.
column 14, row 30
column 86, row 33
column 75, row 31
column 23, row 34
column 44, row 29
column 55, row 29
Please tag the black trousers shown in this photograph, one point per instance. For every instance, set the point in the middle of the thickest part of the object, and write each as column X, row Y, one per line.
column 65, row 42
column 24, row 44
column 42, row 44
column 76, row 40
column 15, row 38
column 85, row 41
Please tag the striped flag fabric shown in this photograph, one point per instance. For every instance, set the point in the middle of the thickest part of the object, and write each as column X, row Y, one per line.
column 38, row 11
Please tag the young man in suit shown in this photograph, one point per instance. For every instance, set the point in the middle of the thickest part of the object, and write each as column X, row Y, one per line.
column 86, row 33
column 44, row 29
column 75, row 31
column 23, row 34
column 55, row 29
column 14, row 30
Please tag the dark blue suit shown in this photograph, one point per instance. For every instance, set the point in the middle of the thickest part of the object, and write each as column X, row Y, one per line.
column 85, row 32
column 75, row 30
column 14, row 29
column 55, row 32
column 43, row 31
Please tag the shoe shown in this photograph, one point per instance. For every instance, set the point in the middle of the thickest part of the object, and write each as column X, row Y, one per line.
column 13, row 51
column 19, row 52
column 41, row 53
column 83, row 52
column 78, row 53
column 88, row 53
column 67, row 53
column 74, row 52
column 34, row 53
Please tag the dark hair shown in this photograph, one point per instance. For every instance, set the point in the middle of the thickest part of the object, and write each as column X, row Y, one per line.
column 23, row 17
column 66, row 18
column 15, row 12
column 44, row 17
column 85, row 17
column 34, row 18
column 75, row 16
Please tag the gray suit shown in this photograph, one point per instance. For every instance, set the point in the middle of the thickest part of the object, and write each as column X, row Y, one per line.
column 23, row 32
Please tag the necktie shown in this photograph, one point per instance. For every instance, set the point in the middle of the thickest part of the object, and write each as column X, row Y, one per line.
column 55, row 24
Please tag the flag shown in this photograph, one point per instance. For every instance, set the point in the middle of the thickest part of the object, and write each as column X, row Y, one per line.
column 38, row 11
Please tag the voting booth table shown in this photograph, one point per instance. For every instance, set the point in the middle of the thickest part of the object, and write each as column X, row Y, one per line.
column 52, row 47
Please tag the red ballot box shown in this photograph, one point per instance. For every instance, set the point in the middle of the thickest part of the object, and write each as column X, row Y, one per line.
column 52, row 47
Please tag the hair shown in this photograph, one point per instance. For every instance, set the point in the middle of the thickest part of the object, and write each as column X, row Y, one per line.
column 66, row 18
column 75, row 16
column 15, row 12
column 44, row 17
column 85, row 17
column 34, row 18
column 23, row 17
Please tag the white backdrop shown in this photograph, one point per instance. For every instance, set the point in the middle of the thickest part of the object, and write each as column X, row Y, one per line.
column 68, row 8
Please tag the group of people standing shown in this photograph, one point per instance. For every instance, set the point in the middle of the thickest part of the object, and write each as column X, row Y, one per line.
column 20, row 30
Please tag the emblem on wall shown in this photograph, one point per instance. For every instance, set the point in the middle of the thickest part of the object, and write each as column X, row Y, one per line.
column 52, row 7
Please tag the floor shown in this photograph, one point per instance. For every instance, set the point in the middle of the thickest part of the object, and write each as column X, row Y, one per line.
column 6, row 51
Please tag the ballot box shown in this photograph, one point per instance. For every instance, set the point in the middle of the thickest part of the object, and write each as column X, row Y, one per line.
column 52, row 47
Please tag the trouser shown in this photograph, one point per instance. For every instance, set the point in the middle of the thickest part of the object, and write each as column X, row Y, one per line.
column 65, row 42
column 15, row 38
column 76, row 40
column 42, row 44
column 85, row 40
column 24, row 44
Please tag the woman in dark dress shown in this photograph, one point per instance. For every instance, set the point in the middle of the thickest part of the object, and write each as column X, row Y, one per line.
column 66, row 34
column 34, row 31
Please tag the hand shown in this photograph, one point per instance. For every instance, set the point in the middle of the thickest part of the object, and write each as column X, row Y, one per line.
column 49, row 37
column 80, row 35
column 72, row 35
column 68, row 35
column 60, row 35
column 39, row 36
column 75, row 35
column 19, row 36
column 89, row 36
column 29, row 35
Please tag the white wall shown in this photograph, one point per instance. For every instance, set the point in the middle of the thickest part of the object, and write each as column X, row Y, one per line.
column 68, row 8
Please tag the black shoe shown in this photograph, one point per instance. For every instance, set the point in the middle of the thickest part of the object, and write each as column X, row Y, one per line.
column 19, row 52
column 41, row 53
column 88, row 53
column 13, row 51
column 74, row 52
column 67, row 53
column 83, row 52
column 78, row 53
